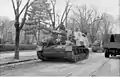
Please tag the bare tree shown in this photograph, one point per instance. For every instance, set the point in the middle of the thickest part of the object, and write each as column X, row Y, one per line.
column 107, row 21
column 88, row 20
column 17, row 24
column 64, row 16
column 84, row 16
column 53, row 15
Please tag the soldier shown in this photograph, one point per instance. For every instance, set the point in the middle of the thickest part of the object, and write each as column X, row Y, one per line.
column 86, row 42
column 69, row 33
column 78, row 37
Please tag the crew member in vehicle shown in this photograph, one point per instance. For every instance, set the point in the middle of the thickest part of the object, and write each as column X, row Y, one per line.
column 78, row 37
column 86, row 42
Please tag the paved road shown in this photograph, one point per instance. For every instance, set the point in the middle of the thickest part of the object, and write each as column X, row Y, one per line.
column 95, row 65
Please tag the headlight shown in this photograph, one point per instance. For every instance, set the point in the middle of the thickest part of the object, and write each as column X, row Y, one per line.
column 68, row 48
column 39, row 48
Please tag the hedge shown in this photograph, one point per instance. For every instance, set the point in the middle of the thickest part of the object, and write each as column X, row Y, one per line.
column 11, row 47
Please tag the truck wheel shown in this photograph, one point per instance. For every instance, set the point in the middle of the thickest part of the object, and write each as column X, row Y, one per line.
column 106, row 54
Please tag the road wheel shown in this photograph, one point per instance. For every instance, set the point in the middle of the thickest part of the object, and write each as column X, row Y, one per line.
column 86, row 54
column 114, row 55
column 39, row 55
column 94, row 50
column 106, row 54
column 74, row 58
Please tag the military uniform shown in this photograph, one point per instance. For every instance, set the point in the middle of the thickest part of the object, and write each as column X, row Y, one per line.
column 79, row 38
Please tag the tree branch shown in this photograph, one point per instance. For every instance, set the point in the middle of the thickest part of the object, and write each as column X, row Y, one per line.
column 53, row 4
column 18, row 7
column 45, row 22
column 54, row 12
column 89, row 15
column 26, row 5
column 50, row 15
column 20, row 2
column 24, row 18
column 67, row 13
column 13, row 6
column 64, row 12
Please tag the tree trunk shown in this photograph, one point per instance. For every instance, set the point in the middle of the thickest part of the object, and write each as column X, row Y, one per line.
column 17, row 43
column 25, row 38
column 53, row 24
column 38, row 35
column 39, row 32
column 35, row 36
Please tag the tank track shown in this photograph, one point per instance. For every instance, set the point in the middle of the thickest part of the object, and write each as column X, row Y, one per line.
column 79, row 53
column 40, row 56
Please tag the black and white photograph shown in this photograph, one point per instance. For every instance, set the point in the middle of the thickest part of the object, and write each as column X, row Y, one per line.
column 60, row 38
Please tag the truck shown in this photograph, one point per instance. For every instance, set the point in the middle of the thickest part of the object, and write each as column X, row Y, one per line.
column 64, row 48
column 111, row 45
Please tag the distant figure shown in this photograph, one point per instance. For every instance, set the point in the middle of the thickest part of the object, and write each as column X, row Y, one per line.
column 69, row 33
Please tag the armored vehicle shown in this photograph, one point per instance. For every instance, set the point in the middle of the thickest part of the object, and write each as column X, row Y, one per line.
column 97, row 46
column 112, row 45
column 62, row 48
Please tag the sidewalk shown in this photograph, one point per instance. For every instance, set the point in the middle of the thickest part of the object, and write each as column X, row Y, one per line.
column 25, row 55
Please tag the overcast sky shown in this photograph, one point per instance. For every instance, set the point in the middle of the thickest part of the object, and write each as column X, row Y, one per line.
column 109, row 6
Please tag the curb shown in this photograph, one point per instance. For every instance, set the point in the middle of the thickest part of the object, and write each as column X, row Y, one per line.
column 17, row 62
